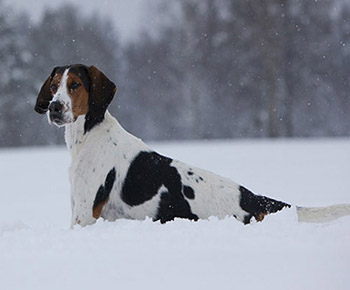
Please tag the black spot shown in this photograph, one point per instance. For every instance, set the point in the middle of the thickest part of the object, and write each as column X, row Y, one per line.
column 104, row 190
column 171, row 207
column 147, row 173
column 200, row 178
column 190, row 173
column 110, row 179
column 189, row 192
column 144, row 178
column 114, row 143
column 257, row 205
column 91, row 122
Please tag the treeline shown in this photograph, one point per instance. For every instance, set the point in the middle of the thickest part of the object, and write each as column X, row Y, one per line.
column 212, row 69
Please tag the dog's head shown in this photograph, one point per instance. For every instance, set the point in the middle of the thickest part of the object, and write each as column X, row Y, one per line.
column 75, row 90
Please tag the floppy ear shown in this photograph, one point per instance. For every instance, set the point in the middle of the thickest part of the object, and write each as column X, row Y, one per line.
column 102, row 91
column 45, row 96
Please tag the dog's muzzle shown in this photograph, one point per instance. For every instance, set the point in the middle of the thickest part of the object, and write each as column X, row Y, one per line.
column 56, row 113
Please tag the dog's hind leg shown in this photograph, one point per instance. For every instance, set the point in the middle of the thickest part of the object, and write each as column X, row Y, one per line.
column 258, row 206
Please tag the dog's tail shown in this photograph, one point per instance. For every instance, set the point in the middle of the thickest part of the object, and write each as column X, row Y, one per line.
column 322, row 214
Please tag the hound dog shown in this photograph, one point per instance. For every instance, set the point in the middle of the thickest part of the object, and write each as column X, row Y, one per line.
column 115, row 175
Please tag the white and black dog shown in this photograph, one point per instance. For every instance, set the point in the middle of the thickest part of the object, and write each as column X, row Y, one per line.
column 115, row 175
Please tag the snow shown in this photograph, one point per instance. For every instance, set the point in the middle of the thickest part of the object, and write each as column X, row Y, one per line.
column 39, row 251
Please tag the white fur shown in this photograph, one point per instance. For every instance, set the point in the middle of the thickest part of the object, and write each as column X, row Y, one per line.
column 215, row 195
column 322, row 214
column 94, row 155
column 62, row 96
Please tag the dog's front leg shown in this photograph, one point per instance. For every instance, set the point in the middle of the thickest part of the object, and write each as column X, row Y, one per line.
column 82, row 214
column 89, row 195
column 82, row 200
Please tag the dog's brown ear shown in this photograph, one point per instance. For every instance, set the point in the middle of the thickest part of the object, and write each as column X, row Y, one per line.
column 102, row 91
column 45, row 96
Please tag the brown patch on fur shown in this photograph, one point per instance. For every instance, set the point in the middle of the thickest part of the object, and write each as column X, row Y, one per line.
column 261, row 216
column 56, row 81
column 96, row 211
column 79, row 95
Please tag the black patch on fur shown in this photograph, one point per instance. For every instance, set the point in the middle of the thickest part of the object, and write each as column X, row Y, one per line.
column 171, row 206
column 247, row 219
column 147, row 173
column 82, row 72
column 59, row 70
column 190, row 173
column 91, row 122
column 105, row 190
column 256, row 205
column 101, row 93
column 189, row 192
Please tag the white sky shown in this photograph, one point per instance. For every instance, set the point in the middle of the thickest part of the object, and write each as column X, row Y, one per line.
column 127, row 15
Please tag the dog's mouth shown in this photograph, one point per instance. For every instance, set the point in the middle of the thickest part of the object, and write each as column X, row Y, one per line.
column 57, row 114
column 57, row 119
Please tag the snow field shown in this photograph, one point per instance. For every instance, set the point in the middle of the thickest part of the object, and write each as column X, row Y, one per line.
column 39, row 251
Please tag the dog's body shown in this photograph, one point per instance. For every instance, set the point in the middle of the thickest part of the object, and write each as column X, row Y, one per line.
column 143, row 183
column 115, row 175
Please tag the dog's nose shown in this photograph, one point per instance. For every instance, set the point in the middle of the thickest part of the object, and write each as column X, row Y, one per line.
column 56, row 108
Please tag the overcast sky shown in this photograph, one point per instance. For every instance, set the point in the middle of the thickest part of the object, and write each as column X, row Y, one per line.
column 129, row 16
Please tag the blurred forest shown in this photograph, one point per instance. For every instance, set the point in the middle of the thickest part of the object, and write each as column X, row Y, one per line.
column 211, row 69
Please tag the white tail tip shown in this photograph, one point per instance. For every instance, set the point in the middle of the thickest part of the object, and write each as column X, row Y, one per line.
column 322, row 214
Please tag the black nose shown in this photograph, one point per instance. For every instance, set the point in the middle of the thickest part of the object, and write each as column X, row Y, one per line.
column 55, row 108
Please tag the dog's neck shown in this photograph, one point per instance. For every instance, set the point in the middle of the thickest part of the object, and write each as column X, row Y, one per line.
column 76, row 135
column 108, row 130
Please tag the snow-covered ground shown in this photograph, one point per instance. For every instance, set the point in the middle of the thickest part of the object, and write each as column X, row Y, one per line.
column 39, row 251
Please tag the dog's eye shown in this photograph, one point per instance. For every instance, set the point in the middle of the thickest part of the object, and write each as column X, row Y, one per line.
column 53, row 88
column 74, row 86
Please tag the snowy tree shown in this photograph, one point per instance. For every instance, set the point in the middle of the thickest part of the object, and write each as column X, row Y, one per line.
column 15, row 79
column 245, row 69
column 211, row 69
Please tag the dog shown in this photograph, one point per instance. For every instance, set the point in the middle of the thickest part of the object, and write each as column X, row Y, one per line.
column 115, row 175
